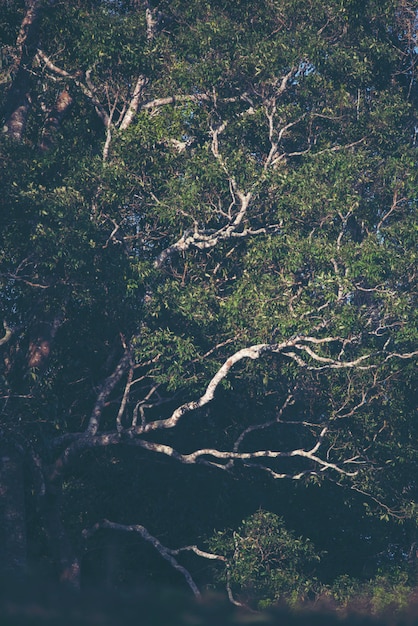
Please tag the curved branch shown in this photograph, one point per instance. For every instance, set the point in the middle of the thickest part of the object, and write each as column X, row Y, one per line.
column 254, row 427
column 255, row 352
column 217, row 458
column 7, row 334
column 165, row 552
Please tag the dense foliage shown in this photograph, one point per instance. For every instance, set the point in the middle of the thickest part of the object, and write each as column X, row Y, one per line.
column 266, row 560
column 208, row 273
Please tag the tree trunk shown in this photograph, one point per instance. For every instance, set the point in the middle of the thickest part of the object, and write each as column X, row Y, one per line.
column 13, row 554
column 18, row 101
column 62, row 551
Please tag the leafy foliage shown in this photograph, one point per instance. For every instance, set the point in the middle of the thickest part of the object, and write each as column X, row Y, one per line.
column 182, row 182
column 266, row 561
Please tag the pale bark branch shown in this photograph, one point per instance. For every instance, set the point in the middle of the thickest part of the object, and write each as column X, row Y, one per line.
column 255, row 352
column 282, row 475
column 152, row 18
column 167, row 553
column 90, row 91
column 28, row 282
column 283, row 83
column 87, row 87
column 388, row 509
column 341, row 147
column 155, row 103
column 204, row 239
column 122, row 407
column 107, row 388
column 255, row 427
column 134, row 103
column 397, row 355
column 50, row 65
column 395, row 203
column 192, row 458
column 223, row 459
column 109, row 125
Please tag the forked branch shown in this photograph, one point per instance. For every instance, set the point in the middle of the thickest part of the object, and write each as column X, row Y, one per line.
column 237, row 212
column 167, row 553
column 290, row 349
column 225, row 459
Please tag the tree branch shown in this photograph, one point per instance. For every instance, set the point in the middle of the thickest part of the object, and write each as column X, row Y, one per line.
column 134, row 103
column 165, row 552
column 230, row 456
column 255, row 352
column 219, row 458
column 7, row 334
column 106, row 389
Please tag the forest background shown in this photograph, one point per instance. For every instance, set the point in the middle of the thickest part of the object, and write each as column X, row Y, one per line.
column 208, row 294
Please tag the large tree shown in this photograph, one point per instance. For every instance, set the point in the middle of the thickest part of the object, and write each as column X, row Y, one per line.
column 208, row 251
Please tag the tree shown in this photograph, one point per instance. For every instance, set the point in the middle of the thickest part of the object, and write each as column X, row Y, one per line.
column 208, row 247
column 267, row 560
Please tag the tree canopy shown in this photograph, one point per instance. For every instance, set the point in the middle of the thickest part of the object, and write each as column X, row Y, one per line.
column 207, row 267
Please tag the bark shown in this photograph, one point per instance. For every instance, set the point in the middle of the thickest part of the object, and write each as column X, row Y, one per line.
column 153, row 18
column 18, row 101
column 134, row 103
column 13, row 553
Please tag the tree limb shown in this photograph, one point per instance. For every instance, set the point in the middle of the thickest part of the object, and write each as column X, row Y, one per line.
column 7, row 334
column 221, row 459
column 165, row 552
column 106, row 389
column 255, row 352
column 134, row 103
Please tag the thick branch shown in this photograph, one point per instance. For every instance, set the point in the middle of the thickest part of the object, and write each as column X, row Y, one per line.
column 217, row 458
column 44, row 58
column 198, row 97
column 152, row 17
column 90, row 91
column 134, row 103
column 107, row 388
column 18, row 98
column 287, row 348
